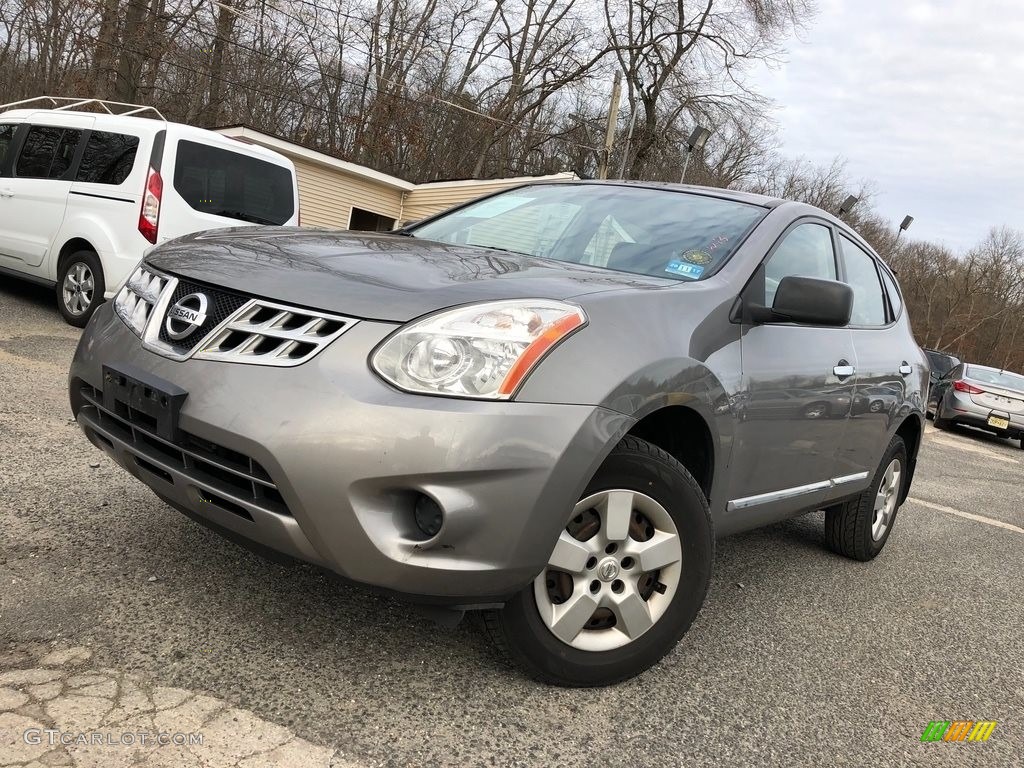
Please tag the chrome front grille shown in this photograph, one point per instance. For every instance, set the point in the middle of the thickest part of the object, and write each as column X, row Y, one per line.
column 265, row 333
column 135, row 301
column 235, row 329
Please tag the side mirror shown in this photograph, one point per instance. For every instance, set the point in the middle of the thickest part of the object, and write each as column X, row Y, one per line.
column 808, row 301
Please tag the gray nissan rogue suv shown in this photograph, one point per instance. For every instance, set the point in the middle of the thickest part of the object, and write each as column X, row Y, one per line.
column 545, row 404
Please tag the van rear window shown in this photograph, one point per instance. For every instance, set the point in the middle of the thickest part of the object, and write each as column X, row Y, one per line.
column 224, row 183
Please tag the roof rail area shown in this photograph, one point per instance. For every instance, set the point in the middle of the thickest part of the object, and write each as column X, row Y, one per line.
column 68, row 103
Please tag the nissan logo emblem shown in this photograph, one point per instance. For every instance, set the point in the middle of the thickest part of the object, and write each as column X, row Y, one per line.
column 186, row 315
column 608, row 569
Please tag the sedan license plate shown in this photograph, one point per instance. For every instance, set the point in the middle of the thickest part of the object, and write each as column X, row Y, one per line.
column 998, row 423
column 155, row 402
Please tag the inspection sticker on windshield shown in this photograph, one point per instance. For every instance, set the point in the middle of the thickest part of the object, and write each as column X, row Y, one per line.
column 696, row 256
column 685, row 269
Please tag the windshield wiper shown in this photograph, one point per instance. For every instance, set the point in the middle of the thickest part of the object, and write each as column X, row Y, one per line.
column 497, row 248
column 243, row 216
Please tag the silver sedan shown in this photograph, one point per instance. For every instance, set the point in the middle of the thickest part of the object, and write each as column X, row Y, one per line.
column 980, row 396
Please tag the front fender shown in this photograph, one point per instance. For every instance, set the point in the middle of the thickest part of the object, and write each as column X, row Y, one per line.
column 630, row 361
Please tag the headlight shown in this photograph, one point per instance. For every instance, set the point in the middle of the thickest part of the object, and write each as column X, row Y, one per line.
column 481, row 350
column 135, row 301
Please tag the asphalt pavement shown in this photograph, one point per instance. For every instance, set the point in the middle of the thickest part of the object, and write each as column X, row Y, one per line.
column 118, row 613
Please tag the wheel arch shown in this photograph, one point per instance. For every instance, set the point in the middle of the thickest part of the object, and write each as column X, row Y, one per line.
column 81, row 231
column 74, row 245
column 671, row 428
column 911, row 429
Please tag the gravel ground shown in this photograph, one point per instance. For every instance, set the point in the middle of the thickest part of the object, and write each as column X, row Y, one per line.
column 798, row 658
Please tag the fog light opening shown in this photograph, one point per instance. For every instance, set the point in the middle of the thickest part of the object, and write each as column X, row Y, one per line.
column 428, row 515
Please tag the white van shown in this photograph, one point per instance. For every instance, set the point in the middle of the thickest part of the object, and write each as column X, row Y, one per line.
column 83, row 194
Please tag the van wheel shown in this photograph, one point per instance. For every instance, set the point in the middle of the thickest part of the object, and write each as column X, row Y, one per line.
column 860, row 527
column 80, row 287
column 625, row 580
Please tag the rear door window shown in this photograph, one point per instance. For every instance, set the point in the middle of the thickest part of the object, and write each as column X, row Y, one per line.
column 47, row 153
column 108, row 158
column 862, row 276
column 224, row 183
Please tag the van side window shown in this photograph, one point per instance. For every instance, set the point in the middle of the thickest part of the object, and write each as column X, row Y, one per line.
column 108, row 158
column 7, row 131
column 47, row 152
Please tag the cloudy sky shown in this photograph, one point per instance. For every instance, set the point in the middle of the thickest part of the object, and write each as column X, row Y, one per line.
column 923, row 97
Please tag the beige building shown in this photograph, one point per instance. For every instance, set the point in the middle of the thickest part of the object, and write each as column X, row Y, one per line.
column 337, row 193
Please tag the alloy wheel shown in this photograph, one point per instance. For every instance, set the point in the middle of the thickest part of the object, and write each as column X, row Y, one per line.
column 78, row 288
column 613, row 572
column 886, row 499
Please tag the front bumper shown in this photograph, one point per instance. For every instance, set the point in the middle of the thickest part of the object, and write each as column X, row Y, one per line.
column 324, row 462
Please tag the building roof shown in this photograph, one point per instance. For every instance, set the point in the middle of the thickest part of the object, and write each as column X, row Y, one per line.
column 252, row 136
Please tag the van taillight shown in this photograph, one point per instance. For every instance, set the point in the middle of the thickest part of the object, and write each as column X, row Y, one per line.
column 962, row 386
column 149, row 216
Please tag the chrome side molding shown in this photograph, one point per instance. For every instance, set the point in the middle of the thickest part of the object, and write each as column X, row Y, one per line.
column 789, row 493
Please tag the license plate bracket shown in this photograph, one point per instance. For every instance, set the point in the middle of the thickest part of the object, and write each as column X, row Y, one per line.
column 998, row 422
column 125, row 385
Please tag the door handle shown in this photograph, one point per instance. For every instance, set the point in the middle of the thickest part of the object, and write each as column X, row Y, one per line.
column 906, row 369
column 844, row 370
column 6, row 193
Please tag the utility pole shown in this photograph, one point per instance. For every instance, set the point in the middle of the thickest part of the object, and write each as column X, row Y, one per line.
column 629, row 140
column 609, row 136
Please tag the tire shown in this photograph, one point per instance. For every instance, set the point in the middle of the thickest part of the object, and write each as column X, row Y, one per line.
column 80, row 287
column 859, row 528
column 616, row 642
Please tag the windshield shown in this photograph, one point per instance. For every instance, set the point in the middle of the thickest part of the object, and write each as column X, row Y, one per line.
column 223, row 183
column 996, row 378
column 662, row 233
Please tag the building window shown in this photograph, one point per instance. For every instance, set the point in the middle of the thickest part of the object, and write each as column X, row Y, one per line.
column 367, row 221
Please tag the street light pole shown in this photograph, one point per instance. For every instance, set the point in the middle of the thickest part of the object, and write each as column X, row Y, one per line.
column 904, row 226
column 848, row 205
column 686, row 164
column 698, row 138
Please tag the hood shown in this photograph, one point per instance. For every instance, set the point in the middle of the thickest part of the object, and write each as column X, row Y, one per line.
column 380, row 276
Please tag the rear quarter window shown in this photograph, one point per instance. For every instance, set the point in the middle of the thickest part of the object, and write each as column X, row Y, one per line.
column 108, row 158
column 225, row 183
